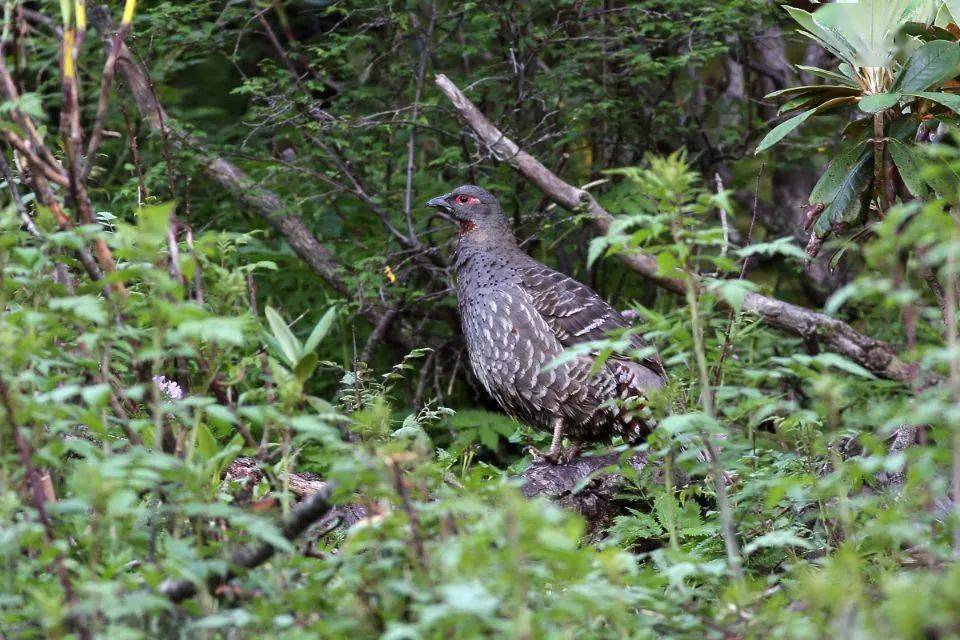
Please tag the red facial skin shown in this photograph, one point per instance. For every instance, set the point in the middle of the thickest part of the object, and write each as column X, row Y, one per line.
column 466, row 226
column 462, row 199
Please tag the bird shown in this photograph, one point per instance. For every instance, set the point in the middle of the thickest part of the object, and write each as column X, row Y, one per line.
column 522, row 323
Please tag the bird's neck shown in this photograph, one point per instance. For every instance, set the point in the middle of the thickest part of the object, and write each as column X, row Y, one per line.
column 476, row 240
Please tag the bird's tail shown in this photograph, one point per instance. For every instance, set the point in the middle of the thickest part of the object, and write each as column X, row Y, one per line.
column 633, row 381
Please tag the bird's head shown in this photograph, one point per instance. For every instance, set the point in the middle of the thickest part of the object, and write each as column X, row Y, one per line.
column 474, row 209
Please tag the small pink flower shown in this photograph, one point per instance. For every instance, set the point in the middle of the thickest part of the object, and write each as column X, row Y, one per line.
column 169, row 389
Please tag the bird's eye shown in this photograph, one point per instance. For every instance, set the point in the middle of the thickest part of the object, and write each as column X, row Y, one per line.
column 462, row 199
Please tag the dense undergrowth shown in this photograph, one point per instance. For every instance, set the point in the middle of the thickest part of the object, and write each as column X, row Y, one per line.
column 124, row 399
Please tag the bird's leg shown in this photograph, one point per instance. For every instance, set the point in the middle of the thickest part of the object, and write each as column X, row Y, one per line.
column 553, row 455
column 557, row 442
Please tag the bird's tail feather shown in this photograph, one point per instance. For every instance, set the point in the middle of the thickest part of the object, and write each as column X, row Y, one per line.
column 633, row 382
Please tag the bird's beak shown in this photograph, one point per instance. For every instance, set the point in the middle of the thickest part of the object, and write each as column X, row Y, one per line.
column 440, row 202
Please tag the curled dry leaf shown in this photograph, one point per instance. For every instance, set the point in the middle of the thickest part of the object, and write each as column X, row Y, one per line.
column 810, row 214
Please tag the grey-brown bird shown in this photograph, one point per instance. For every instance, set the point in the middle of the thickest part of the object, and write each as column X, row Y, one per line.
column 518, row 318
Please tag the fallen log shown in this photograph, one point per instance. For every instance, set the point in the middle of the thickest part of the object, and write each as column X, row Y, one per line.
column 586, row 484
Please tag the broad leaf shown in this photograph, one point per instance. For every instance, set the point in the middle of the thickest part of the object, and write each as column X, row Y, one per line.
column 834, row 177
column 289, row 345
column 781, row 538
column 908, row 164
column 321, row 330
column 903, row 128
column 827, row 89
column 931, row 64
column 940, row 173
column 846, row 204
column 829, row 75
column 825, row 38
column 780, row 131
column 835, row 103
column 948, row 100
column 878, row 102
column 954, row 7
column 306, row 366
column 806, row 101
column 219, row 330
column 868, row 27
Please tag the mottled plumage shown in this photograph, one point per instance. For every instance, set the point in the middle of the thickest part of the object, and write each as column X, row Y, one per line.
column 518, row 316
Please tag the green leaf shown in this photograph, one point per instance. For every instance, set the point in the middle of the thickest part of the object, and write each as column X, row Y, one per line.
column 939, row 173
column 220, row 414
column 828, row 75
column 666, row 262
column 833, row 178
column 930, row 65
column 826, row 89
column 908, row 164
column 832, row 43
column 321, row 330
column 954, row 7
column 207, row 445
column 153, row 223
column 780, row 131
column 289, row 345
column 867, row 29
column 28, row 103
column 96, row 395
column 734, row 291
column 306, row 366
column 846, row 204
column 803, row 102
column 948, row 100
column 839, row 362
column 786, row 246
column 488, row 437
column 87, row 307
column 777, row 539
column 223, row 330
column 878, row 102
column 597, row 246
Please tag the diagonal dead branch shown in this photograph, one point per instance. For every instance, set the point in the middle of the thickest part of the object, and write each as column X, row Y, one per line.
column 301, row 517
column 875, row 355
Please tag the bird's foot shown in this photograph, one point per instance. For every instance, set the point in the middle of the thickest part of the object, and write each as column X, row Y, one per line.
column 539, row 457
column 554, row 456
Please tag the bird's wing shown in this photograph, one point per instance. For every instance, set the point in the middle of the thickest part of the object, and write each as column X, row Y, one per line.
column 574, row 312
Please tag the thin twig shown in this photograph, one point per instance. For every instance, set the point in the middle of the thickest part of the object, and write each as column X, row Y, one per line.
column 18, row 203
column 109, row 69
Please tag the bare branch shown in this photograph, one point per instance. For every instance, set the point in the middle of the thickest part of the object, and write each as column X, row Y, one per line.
column 303, row 515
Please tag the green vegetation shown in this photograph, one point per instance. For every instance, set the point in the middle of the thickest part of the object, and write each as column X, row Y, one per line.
column 214, row 258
